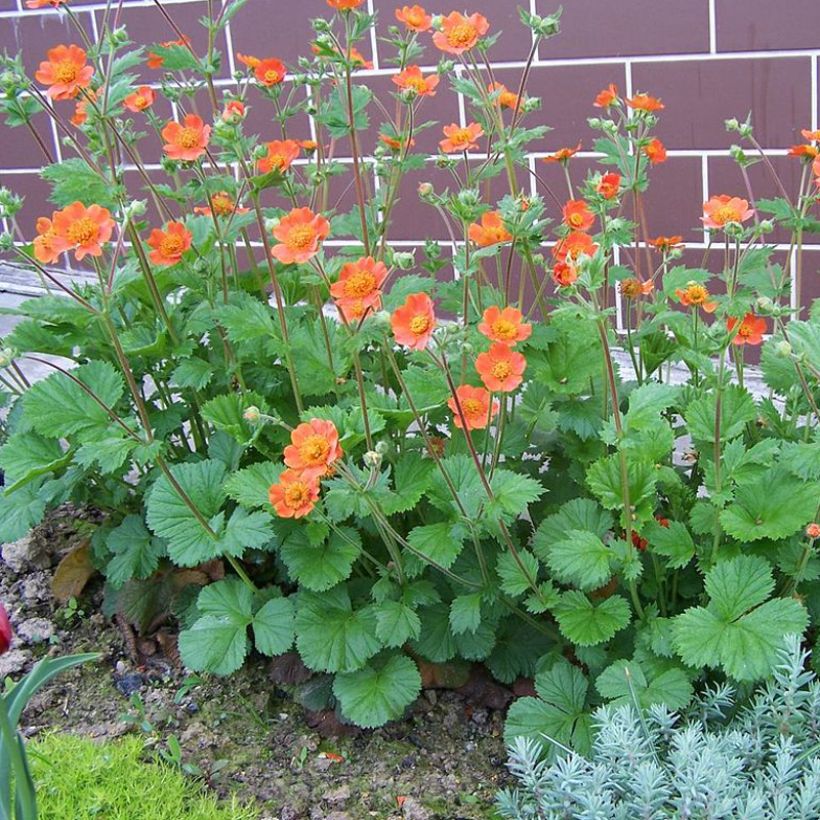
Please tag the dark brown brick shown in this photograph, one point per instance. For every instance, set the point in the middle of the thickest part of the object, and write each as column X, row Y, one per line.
column 755, row 25
column 673, row 203
column 700, row 96
column 810, row 278
column 20, row 148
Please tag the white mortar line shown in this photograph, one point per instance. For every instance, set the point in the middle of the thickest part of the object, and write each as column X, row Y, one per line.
column 712, row 28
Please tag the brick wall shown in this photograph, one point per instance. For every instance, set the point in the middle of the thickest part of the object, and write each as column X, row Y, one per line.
column 707, row 59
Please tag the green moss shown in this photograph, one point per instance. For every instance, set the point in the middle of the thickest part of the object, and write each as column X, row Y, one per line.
column 80, row 779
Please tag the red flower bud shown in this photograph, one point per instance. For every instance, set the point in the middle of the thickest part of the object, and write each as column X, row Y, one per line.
column 5, row 631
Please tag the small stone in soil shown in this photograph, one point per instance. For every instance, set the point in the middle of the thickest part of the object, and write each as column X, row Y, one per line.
column 35, row 630
column 13, row 662
column 26, row 552
column 128, row 684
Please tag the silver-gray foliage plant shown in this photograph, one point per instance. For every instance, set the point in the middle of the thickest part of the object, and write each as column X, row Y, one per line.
column 760, row 764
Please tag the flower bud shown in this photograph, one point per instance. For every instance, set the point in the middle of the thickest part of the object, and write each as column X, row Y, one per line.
column 408, row 95
column 469, row 198
column 7, row 355
column 765, row 304
column 438, row 21
column 272, row 223
column 446, row 67
column 531, row 104
column 373, row 459
column 783, row 348
column 381, row 318
column 404, row 260
column 738, row 154
column 6, row 242
column 5, row 631
column 766, row 226
column 813, row 530
column 382, row 447
column 732, row 124
column 425, row 190
column 134, row 209
column 252, row 414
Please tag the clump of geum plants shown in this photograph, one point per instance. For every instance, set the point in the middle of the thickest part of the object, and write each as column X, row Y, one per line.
column 345, row 451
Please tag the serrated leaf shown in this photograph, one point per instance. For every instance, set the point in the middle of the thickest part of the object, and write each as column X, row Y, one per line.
column 249, row 486
column 411, row 479
column 466, row 481
column 109, row 453
column 73, row 180
column 580, row 558
column 396, row 623
column 604, row 480
column 671, row 687
column 465, row 613
column 378, row 693
column 26, row 456
column 136, row 552
column 320, row 566
column 673, row 542
column 587, row 623
column 514, row 580
column 512, row 492
column 226, row 413
column 273, row 626
column 577, row 514
column 192, row 372
column 737, row 409
column 441, row 542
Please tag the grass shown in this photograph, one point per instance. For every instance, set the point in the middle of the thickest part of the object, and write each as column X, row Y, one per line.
column 82, row 780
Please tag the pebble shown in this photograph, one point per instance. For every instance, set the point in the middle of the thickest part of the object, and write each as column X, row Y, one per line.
column 339, row 795
column 13, row 662
column 413, row 810
column 26, row 552
column 35, row 630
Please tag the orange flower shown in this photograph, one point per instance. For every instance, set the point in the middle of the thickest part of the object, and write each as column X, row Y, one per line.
column 563, row 154
column 656, row 151
column 299, row 234
column 233, row 111
column 606, row 97
column 359, row 285
column 414, row 322
column 223, row 205
column 344, row 5
column 460, row 139
column 48, row 245
column 270, row 72
column 813, row 530
column 155, row 61
column 577, row 215
column 749, row 332
column 573, row 245
column 664, row 244
column 80, row 114
column 65, row 72
column 415, row 18
column 141, row 99
column 471, row 407
column 633, row 288
column 808, row 151
column 169, row 245
column 815, row 169
column 395, row 143
column 812, row 136
column 609, row 185
column 500, row 368
column 506, row 98
column 720, row 210
column 41, row 4
column 459, row 33
column 248, row 60
column 564, row 274
column 412, row 78
column 309, row 145
column 644, row 102
column 314, row 449
column 294, row 496
column 696, row 295
column 357, row 59
column 491, row 231
column 187, row 141
column 84, row 229
column 281, row 154
column 504, row 325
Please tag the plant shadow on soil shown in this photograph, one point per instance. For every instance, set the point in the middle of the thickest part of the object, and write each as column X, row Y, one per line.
column 245, row 735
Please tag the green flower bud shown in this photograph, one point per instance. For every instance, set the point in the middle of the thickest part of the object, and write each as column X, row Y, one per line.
column 252, row 414
column 783, row 348
column 404, row 260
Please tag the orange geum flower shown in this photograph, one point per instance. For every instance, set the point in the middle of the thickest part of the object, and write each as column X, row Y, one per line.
column 723, row 209
column 750, row 330
column 395, row 143
column 414, row 322
column 506, row 98
column 270, row 72
column 501, row 369
column 294, row 496
column 223, row 205
column 84, row 229
column 186, row 141
column 460, row 139
column 491, row 231
column 299, row 233
column 655, row 150
column 471, row 407
column 412, row 78
column 459, row 33
column 415, row 18
column 169, row 245
column 807, row 151
column 41, row 4
column 573, row 245
column 606, row 97
column 359, row 285
column 664, row 244
column 813, row 530
column 633, row 288
column 314, row 449
column 505, row 325
column 644, row 102
column 48, row 244
column 344, row 5
column 141, row 99
column 696, row 295
column 80, row 114
column 577, row 215
column 280, row 156
column 609, row 185
column 564, row 274
column 155, row 60
column 811, row 136
column 562, row 154
column 233, row 111
column 65, row 72
column 248, row 60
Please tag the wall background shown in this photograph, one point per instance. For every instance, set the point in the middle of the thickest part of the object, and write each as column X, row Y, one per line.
column 707, row 59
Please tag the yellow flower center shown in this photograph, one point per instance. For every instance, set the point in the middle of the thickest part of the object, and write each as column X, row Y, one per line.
column 505, row 329
column 724, row 214
column 460, row 137
column 188, row 138
column 420, row 324
column 472, row 407
column 172, row 245
column 66, row 71
column 417, row 83
column 630, row 288
column 296, row 495
column 359, row 284
column 501, row 370
column 314, row 449
column 222, row 204
column 276, row 161
column 83, row 230
column 414, row 18
column 272, row 76
column 301, row 237
column 696, row 294
column 576, row 219
column 462, row 35
column 140, row 101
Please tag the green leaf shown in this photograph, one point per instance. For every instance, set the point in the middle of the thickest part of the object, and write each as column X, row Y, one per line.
column 273, row 626
column 577, row 514
column 78, row 412
column 331, row 635
column 674, row 542
column 72, row 180
column 378, row 693
column 465, row 613
column 580, row 558
column 671, row 687
column 411, row 479
column 586, row 623
column 737, row 409
column 109, row 453
column 441, row 542
column 226, row 413
column 514, row 580
column 26, row 456
column 320, row 566
column 243, row 531
column 396, row 623
column 136, row 552
column 436, row 642
column 249, row 487
column 558, row 713
column 604, row 479
column 218, row 641
column 512, row 493
column 737, row 630
column 192, row 372
column 20, row 511
column 466, row 481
